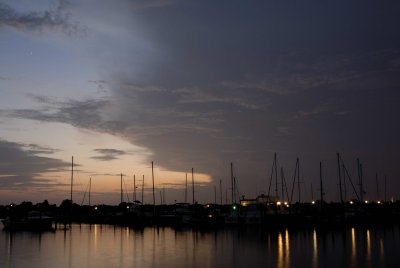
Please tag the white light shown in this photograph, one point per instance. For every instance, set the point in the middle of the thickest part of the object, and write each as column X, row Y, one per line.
column 285, row 203
column 366, row 201
column 278, row 203
column 313, row 202
column 351, row 202
column 95, row 208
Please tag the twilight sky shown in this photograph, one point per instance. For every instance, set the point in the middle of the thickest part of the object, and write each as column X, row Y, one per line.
column 196, row 84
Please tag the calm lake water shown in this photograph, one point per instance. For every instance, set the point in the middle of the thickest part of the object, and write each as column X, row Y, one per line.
column 109, row 246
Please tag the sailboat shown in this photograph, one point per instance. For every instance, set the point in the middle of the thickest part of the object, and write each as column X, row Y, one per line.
column 33, row 220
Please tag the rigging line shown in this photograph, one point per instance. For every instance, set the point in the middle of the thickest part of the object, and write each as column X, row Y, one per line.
column 84, row 195
column 270, row 181
column 236, row 188
column 285, row 185
column 348, row 176
column 126, row 190
column 294, row 181
column 235, row 184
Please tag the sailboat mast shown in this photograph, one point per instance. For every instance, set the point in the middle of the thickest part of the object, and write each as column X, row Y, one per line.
column 90, row 189
column 134, row 188
column 276, row 176
column 72, row 177
column 283, row 195
column 344, row 182
column 186, row 189
column 192, row 186
column 152, row 177
column 220, row 191
column 340, row 178
column 142, row 188
column 122, row 196
column 298, row 177
column 232, row 183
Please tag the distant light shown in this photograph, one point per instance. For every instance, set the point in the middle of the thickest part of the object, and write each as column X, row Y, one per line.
column 278, row 203
column 379, row 202
column 234, row 207
column 210, row 215
column 285, row 203
column 366, row 201
column 127, row 206
column 313, row 202
column 208, row 206
column 351, row 202
column 95, row 208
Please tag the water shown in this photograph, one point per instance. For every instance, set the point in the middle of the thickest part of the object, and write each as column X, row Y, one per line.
column 109, row 246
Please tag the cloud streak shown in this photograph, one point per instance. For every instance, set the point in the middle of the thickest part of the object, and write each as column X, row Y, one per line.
column 21, row 168
column 57, row 19
column 108, row 154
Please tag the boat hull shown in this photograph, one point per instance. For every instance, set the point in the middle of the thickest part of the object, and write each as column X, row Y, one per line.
column 33, row 224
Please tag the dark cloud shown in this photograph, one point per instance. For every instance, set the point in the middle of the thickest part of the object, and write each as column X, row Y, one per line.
column 20, row 166
column 91, row 114
column 108, row 154
column 56, row 19
column 101, row 85
column 37, row 149
column 238, row 82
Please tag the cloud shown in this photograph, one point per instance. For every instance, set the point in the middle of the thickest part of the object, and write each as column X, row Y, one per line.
column 37, row 149
column 101, row 85
column 39, row 21
column 108, row 154
column 145, row 4
column 196, row 95
column 294, row 77
column 90, row 113
column 21, row 168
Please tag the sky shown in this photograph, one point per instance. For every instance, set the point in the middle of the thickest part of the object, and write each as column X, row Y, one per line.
column 197, row 84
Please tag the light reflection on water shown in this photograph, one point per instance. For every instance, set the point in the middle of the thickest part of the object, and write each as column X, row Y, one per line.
column 111, row 246
column 315, row 250
column 353, row 247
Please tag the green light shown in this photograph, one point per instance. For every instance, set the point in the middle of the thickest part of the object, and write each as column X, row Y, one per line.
column 234, row 207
